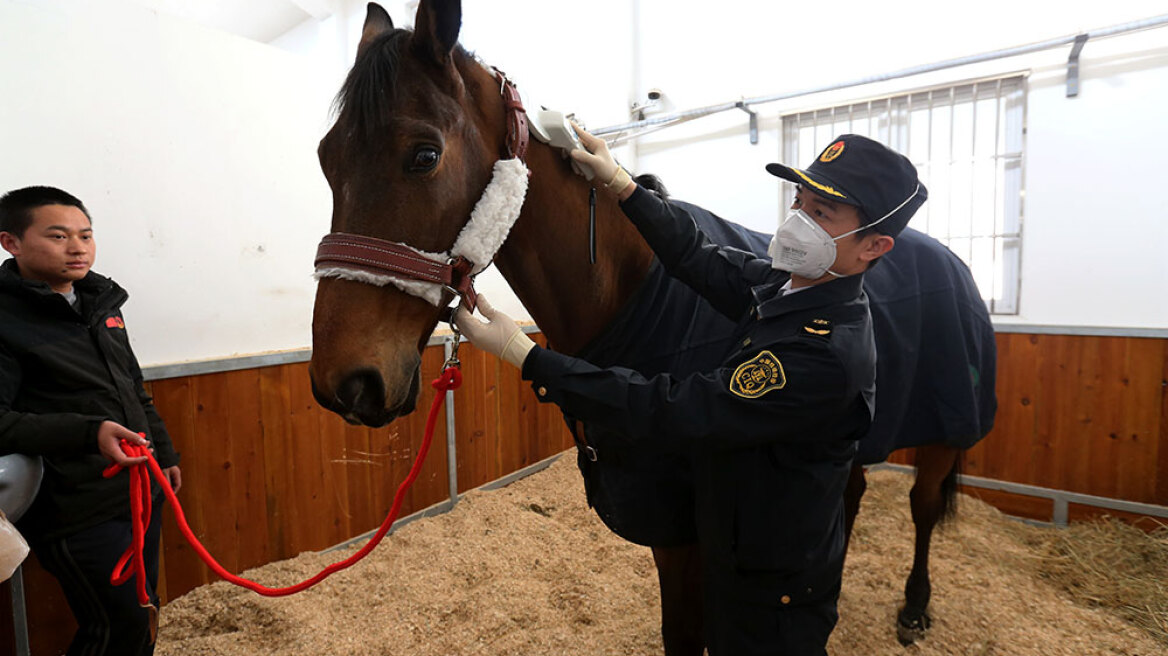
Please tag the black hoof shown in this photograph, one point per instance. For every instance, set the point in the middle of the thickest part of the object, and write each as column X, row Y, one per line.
column 909, row 629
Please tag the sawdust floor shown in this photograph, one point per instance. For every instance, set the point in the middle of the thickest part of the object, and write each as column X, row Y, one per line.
column 529, row 570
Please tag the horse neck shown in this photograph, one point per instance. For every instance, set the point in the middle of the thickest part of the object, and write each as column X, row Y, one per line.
column 546, row 256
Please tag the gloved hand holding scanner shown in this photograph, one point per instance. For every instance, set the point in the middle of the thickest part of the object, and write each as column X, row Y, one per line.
column 611, row 175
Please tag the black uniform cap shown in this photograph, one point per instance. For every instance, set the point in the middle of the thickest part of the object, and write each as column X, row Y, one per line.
column 859, row 171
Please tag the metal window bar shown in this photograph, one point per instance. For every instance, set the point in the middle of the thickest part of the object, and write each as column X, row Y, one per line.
column 929, row 156
column 973, row 175
column 999, row 213
column 950, row 164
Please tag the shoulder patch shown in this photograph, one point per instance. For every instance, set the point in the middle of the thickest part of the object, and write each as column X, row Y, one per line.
column 757, row 376
column 821, row 327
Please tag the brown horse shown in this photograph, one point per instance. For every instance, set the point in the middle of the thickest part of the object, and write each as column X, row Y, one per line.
column 420, row 126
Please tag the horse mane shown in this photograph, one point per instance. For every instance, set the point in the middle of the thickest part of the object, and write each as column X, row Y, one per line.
column 368, row 93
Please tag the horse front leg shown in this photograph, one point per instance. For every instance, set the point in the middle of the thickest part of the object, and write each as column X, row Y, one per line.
column 679, row 572
column 932, row 499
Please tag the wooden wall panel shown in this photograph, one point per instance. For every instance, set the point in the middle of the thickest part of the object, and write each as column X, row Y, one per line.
column 174, row 401
column 50, row 622
column 432, row 485
column 275, row 414
column 1017, row 505
column 207, row 463
column 1139, row 407
column 1162, row 443
column 1058, row 411
column 1079, row 413
column 242, row 442
column 476, row 424
column 358, row 463
column 504, row 428
column 1016, row 414
column 1077, row 512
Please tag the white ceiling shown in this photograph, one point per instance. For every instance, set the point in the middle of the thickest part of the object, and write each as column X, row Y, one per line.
column 259, row 20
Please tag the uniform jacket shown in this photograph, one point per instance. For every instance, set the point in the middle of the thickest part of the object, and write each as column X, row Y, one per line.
column 62, row 373
column 773, row 428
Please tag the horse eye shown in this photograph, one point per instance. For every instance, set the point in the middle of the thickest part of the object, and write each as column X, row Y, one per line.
column 425, row 159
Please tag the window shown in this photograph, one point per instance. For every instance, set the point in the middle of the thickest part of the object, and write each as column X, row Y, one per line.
column 967, row 144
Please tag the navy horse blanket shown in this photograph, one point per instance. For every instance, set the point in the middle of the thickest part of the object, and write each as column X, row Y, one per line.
column 934, row 383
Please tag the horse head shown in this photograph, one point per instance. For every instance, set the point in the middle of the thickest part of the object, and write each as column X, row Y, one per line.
column 423, row 132
column 406, row 160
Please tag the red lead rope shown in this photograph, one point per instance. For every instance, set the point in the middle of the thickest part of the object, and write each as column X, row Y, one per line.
column 450, row 379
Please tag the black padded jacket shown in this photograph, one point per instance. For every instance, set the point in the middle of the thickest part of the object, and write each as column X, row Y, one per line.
column 62, row 373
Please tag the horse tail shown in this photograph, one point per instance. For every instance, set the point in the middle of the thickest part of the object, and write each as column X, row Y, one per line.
column 949, row 486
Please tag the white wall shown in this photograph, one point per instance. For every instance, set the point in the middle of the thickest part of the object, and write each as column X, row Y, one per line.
column 195, row 153
column 195, row 150
column 1095, row 239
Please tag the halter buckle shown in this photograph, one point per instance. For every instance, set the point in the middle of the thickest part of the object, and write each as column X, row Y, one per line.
column 452, row 360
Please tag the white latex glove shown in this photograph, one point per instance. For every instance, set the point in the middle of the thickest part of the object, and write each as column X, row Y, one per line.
column 499, row 334
column 602, row 163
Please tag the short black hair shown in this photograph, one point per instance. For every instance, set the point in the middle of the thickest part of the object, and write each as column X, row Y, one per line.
column 16, row 206
column 866, row 227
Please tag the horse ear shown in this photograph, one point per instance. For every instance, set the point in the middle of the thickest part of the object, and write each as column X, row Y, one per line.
column 436, row 28
column 377, row 23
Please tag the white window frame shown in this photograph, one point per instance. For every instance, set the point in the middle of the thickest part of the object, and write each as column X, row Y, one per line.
column 967, row 140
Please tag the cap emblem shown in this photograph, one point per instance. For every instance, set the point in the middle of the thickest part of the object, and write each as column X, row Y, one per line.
column 831, row 152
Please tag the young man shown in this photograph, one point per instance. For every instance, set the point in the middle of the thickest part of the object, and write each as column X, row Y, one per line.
column 772, row 431
column 71, row 391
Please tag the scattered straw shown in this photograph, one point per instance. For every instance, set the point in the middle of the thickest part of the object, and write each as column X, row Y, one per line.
column 528, row 570
column 1110, row 564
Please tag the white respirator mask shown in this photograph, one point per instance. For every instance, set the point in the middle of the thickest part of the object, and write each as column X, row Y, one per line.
column 805, row 249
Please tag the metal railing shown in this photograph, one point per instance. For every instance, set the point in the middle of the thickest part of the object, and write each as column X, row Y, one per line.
column 1077, row 41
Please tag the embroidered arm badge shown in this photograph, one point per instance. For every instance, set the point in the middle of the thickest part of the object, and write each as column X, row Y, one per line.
column 757, row 376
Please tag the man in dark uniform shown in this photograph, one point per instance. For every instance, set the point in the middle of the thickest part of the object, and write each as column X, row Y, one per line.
column 772, row 431
column 71, row 391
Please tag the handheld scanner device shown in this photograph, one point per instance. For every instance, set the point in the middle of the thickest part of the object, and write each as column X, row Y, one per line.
column 553, row 128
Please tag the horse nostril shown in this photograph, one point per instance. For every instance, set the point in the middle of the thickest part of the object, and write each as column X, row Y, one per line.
column 325, row 401
column 361, row 393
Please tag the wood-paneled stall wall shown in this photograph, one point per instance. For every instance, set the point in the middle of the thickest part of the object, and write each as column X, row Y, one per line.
column 268, row 474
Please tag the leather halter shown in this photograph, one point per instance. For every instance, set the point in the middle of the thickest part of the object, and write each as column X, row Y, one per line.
column 517, row 132
column 386, row 258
